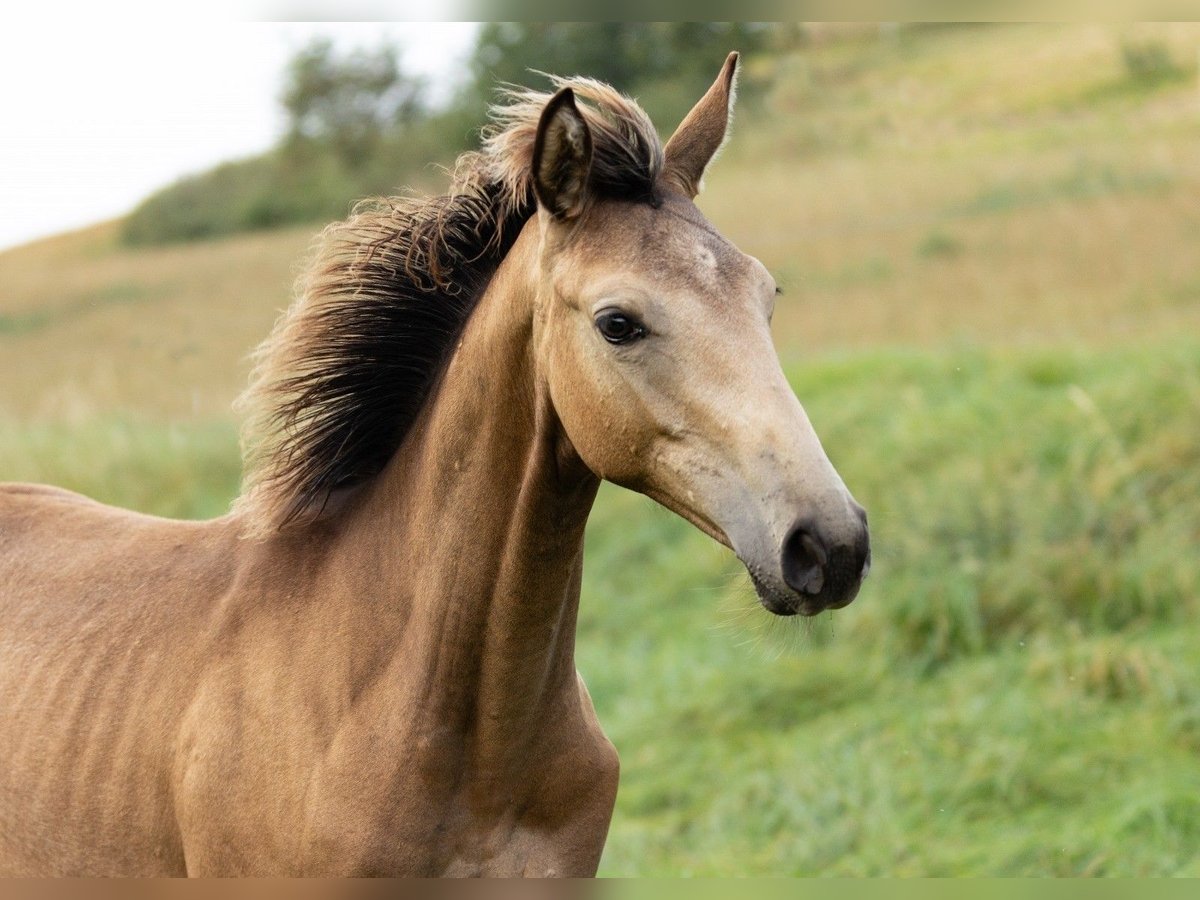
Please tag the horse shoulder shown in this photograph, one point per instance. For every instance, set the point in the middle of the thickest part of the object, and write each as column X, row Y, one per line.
column 563, row 829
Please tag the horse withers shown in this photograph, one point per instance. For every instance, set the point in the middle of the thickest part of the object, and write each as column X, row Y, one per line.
column 367, row 667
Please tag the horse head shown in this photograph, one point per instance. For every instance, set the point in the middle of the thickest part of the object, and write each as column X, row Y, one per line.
column 653, row 337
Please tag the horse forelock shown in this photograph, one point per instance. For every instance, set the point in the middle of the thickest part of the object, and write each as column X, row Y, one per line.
column 347, row 369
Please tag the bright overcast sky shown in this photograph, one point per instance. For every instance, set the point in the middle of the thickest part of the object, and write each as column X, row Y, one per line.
column 94, row 118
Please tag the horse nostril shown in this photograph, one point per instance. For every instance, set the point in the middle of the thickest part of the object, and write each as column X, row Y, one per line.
column 804, row 560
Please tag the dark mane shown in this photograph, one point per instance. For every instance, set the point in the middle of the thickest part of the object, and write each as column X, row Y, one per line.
column 347, row 368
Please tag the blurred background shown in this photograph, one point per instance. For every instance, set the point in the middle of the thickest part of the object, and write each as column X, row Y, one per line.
column 989, row 241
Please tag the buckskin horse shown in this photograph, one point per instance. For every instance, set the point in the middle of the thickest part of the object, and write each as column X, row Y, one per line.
column 367, row 667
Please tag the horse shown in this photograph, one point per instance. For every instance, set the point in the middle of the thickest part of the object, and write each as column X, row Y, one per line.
column 367, row 666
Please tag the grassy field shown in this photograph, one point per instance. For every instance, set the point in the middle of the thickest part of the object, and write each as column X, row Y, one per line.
column 989, row 240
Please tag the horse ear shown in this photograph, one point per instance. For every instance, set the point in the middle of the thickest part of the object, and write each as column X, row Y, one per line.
column 699, row 136
column 562, row 157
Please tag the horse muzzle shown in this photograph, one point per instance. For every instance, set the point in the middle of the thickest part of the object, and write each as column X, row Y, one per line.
column 820, row 567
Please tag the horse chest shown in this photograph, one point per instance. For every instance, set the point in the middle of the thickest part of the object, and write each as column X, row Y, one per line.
column 438, row 814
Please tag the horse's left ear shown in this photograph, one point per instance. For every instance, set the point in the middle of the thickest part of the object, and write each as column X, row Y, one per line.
column 562, row 157
column 699, row 136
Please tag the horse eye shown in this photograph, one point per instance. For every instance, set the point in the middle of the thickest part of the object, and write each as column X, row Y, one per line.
column 618, row 328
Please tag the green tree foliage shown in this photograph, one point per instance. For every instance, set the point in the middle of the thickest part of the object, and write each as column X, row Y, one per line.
column 1148, row 61
column 665, row 64
column 348, row 104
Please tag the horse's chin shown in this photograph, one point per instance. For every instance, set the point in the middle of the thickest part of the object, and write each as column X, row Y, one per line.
column 783, row 601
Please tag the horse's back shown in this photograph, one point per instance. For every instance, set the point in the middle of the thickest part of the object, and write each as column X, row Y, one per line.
column 103, row 614
column 64, row 557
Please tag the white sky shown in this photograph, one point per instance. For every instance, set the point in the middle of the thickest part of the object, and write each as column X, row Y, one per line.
column 95, row 116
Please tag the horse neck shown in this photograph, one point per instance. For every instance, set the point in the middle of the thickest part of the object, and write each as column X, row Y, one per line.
column 480, row 519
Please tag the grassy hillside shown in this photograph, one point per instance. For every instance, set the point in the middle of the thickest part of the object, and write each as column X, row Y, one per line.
column 989, row 240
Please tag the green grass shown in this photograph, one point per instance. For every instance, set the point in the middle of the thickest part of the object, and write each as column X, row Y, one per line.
column 1014, row 693
column 182, row 471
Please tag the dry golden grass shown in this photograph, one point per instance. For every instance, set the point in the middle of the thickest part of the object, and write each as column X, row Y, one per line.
column 94, row 326
column 1000, row 184
column 1097, row 269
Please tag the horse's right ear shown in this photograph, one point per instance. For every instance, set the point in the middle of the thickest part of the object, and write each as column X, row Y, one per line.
column 699, row 136
column 562, row 157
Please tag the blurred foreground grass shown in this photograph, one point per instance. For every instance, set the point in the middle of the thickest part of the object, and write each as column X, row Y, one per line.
column 1016, row 690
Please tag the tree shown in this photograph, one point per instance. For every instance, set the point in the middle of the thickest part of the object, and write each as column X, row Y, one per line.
column 348, row 103
column 513, row 52
column 666, row 64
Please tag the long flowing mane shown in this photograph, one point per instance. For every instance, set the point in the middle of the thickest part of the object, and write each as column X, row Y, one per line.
column 347, row 368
